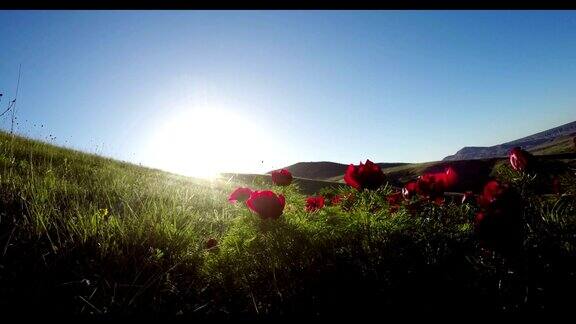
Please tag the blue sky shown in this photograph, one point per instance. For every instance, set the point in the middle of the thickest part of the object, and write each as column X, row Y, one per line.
column 150, row 86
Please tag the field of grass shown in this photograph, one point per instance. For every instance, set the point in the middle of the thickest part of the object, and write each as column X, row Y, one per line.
column 85, row 235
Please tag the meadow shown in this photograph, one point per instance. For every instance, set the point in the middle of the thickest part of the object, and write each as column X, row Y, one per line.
column 84, row 235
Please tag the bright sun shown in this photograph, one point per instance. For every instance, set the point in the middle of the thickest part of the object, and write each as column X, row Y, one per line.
column 204, row 142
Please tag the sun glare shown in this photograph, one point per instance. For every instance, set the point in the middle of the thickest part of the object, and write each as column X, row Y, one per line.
column 205, row 142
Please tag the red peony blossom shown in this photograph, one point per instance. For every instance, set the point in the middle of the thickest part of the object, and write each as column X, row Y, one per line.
column 210, row 243
column 450, row 178
column 519, row 159
column 266, row 204
column 492, row 190
column 314, row 203
column 433, row 185
column 282, row 177
column 364, row 176
column 240, row 194
column 410, row 190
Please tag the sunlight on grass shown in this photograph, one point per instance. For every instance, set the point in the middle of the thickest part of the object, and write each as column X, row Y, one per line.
column 79, row 228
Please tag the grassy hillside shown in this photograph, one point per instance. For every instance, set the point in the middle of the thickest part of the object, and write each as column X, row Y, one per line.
column 559, row 145
column 85, row 235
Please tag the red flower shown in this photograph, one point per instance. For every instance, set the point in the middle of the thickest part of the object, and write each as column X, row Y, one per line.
column 492, row 190
column 282, row 177
column 364, row 176
column 240, row 194
column 433, row 185
column 266, row 204
column 336, row 200
column 519, row 159
column 210, row 243
column 450, row 178
column 410, row 190
column 439, row 200
column 314, row 203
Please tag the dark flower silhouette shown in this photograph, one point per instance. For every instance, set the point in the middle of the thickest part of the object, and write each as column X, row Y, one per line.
column 499, row 224
column 520, row 160
column 364, row 176
column 281, row 177
column 266, row 204
column 314, row 203
column 433, row 185
column 410, row 190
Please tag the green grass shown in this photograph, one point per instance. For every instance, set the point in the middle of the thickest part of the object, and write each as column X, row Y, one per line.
column 82, row 234
column 560, row 145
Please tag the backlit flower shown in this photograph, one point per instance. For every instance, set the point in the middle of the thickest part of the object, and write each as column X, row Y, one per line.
column 240, row 194
column 266, row 204
column 433, row 185
column 410, row 190
column 364, row 176
column 519, row 159
column 282, row 177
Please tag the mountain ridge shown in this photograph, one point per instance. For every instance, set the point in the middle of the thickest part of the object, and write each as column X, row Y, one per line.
column 527, row 143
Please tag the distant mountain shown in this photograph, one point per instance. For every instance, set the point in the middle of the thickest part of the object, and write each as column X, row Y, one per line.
column 474, row 165
column 536, row 143
column 325, row 170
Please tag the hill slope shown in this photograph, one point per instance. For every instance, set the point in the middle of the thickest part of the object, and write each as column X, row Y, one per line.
column 537, row 142
column 326, row 170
